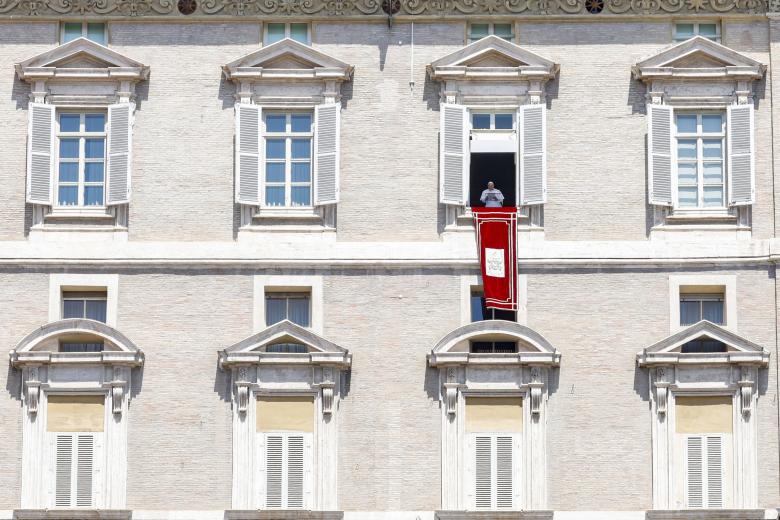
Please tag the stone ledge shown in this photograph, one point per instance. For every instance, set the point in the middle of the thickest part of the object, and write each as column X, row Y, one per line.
column 706, row 514
column 494, row 515
column 237, row 514
column 72, row 514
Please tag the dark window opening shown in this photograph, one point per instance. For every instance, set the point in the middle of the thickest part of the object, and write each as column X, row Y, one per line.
column 697, row 307
column 493, row 347
column 90, row 305
column 481, row 313
column 288, row 306
column 498, row 168
column 287, row 348
column 703, row 346
column 80, row 346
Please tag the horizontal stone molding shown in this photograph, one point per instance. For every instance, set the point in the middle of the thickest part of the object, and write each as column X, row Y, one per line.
column 707, row 514
column 494, row 515
column 282, row 515
column 72, row 514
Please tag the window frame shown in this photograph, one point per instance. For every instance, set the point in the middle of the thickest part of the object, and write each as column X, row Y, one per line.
column 700, row 137
column 287, row 32
column 288, row 135
column 82, row 135
column 696, row 24
column 87, row 282
column 701, row 298
column 491, row 31
column 85, row 31
column 470, row 284
column 492, row 114
column 84, row 299
column 288, row 295
column 685, row 284
column 288, row 283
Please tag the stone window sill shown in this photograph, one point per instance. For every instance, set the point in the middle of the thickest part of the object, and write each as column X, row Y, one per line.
column 283, row 514
column 494, row 515
column 85, row 214
column 706, row 514
column 72, row 514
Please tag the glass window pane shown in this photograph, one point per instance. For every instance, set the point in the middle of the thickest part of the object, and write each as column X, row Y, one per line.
column 502, row 29
column 94, row 148
column 93, row 172
column 274, row 149
column 713, row 196
column 301, row 122
column 275, row 310
column 708, row 29
column 69, row 122
column 274, row 195
column 300, row 32
column 301, row 172
column 301, row 196
column 274, row 32
column 503, row 121
column 476, row 308
column 69, row 172
column 683, row 30
column 301, row 148
column 299, row 311
column 712, row 311
column 95, row 122
column 69, row 148
column 97, row 32
column 72, row 309
column 67, row 196
column 71, row 31
column 478, row 30
column 480, row 121
column 686, row 174
column 274, row 172
column 713, row 173
column 93, row 195
column 712, row 123
column 689, row 313
column 96, row 310
column 686, row 197
column 686, row 148
column 686, row 124
column 275, row 123
column 712, row 148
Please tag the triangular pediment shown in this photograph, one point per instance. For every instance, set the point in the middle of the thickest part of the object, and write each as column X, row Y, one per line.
column 80, row 54
column 696, row 57
column 287, row 56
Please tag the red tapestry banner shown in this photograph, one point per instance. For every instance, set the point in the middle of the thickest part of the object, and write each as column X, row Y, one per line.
column 497, row 243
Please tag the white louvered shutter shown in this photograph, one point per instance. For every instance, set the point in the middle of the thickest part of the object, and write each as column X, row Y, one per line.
column 504, row 472
column 741, row 163
column 714, row 471
column 120, row 142
column 326, row 160
column 483, row 472
column 75, row 467
column 660, row 136
column 694, row 472
column 85, row 462
column 494, row 474
column 454, row 154
column 274, row 471
column 532, row 163
column 248, row 154
column 40, row 153
column 63, row 469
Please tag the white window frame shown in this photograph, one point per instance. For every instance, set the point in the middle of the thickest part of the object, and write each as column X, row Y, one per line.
column 699, row 137
column 491, row 30
column 287, row 31
column 288, row 135
column 263, row 284
column 84, row 30
column 288, row 295
column 82, row 135
column 729, row 284
column 62, row 283
column 85, row 299
column 700, row 298
column 696, row 24
column 492, row 113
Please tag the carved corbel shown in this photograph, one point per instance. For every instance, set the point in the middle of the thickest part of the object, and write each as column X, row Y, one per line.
column 117, row 391
column 242, row 390
column 661, row 390
column 746, row 389
column 327, row 386
column 33, row 390
column 451, row 391
column 536, row 386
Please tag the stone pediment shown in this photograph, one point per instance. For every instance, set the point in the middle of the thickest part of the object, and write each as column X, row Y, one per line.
column 669, row 351
column 492, row 58
column 699, row 57
column 81, row 59
column 285, row 60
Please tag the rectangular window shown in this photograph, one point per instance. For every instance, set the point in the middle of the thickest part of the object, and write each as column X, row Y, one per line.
column 295, row 307
column 275, row 32
column 701, row 141
column 90, row 305
column 687, row 30
column 477, row 31
column 697, row 307
column 481, row 313
column 492, row 120
column 89, row 30
column 288, row 147
column 81, row 158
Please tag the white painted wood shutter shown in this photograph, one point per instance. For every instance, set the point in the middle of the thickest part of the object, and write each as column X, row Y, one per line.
column 40, row 153
column 532, row 156
column 741, row 151
column 454, row 154
column 248, row 154
column 660, row 147
column 288, row 479
column 704, row 471
column 492, row 472
column 76, row 469
column 120, row 143
column 326, row 161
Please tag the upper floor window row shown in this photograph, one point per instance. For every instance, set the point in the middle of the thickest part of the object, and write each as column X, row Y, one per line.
column 686, row 30
column 94, row 31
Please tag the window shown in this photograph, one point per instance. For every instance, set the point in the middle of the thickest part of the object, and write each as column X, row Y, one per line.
column 492, row 121
column 275, row 32
column 477, row 31
column 80, row 346
column 89, row 30
column 81, row 158
column 287, row 348
column 697, row 307
column 687, row 30
column 86, row 305
column 480, row 313
column 700, row 159
column 295, row 307
column 288, row 146
column 703, row 346
column 493, row 347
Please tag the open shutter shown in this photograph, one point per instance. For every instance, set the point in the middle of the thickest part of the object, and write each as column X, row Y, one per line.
column 532, row 163
column 274, row 462
column 454, row 154
column 694, row 472
column 85, row 456
column 741, row 164
column 295, row 471
column 714, row 472
column 483, row 472
column 659, row 154
column 63, row 463
column 248, row 160
column 326, row 160
column 40, row 153
column 120, row 138
column 504, row 472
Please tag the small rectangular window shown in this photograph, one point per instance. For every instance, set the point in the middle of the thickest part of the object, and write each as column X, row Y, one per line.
column 69, row 346
column 295, row 307
column 481, row 313
column 493, row 347
column 687, row 30
column 275, row 32
column 90, row 305
column 90, row 30
column 697, row 307
column 477, row 31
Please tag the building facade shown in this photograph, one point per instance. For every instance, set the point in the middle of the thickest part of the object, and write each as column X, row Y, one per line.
column 240, row 276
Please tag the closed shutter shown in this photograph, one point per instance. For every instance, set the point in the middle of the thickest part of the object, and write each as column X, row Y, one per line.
column 483, row 472
column 714, row 471
column 741, row 163
column 288, row 470
column 504, row 472
column 63, row 470
column 274, row 468
column 454, row 154
column 695, row 472
column 75, row 469
column 248, row 157
column 120, row 138
column 326, row 160
column 532, row 161
column 494, row 469
column 660, row 137
column 40, row 153
column 295, row 471
column 85, row 450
